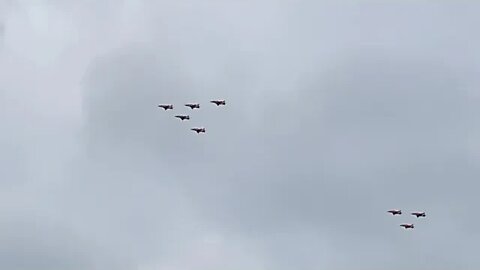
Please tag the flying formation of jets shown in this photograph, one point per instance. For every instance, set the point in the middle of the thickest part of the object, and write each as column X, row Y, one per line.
column 407, row 226
column 192, row 106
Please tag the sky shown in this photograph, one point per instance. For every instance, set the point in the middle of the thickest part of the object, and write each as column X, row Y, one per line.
column 336, row 112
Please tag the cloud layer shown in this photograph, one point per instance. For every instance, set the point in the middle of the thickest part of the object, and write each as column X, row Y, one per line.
column 335, row 113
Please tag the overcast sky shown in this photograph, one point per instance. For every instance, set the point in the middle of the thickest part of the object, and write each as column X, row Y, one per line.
column 336, row 112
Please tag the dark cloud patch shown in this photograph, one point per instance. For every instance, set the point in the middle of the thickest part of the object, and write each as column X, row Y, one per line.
column 2, row 31
column 14, row 169
column 42, row 244
column 332, row 118
column 4, row 7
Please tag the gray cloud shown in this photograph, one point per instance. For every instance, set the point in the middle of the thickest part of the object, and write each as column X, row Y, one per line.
column 2, row 32
column 334, row 114
column 3, row 11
